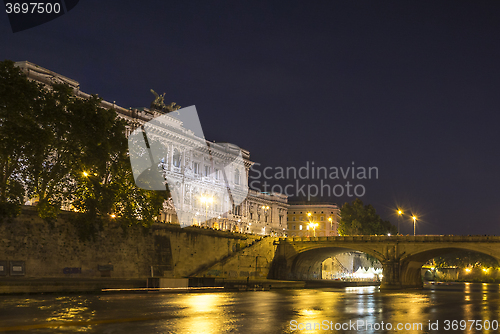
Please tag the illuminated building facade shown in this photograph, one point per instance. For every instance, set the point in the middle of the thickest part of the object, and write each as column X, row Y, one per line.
column 259, row 213
column 308, row 219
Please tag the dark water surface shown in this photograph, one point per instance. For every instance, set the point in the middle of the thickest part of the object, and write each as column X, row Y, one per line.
column 357, row 310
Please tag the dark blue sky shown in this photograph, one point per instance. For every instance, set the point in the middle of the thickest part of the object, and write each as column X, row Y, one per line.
column 409, row 87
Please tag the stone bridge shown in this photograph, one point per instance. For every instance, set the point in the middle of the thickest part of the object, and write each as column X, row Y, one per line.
column 401, row 256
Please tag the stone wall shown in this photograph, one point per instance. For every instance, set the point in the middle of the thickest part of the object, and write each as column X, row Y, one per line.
column 56, row 251
column 252, row 262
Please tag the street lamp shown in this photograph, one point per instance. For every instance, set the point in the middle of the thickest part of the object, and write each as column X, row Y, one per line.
column 309, row 218
column 331, row 224
column 265, row 208
column 311, row 223
column 207, row 200
column 414, row 221
column 400, row 213
column 314, row 225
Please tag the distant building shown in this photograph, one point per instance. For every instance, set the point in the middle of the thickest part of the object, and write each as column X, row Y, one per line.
column 260, row 213
column 306, row 219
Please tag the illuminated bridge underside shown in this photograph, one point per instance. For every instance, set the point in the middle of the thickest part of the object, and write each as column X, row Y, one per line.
column 401, row 256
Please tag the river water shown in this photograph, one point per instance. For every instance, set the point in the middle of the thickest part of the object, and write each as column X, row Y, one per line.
column 443, row 308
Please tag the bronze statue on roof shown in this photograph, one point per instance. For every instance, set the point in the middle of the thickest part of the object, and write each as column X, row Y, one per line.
column 159, row 104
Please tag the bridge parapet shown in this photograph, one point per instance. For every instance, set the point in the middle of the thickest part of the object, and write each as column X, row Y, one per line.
column 399, row 238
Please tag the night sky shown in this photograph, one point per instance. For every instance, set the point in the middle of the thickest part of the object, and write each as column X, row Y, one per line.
column 409, row 87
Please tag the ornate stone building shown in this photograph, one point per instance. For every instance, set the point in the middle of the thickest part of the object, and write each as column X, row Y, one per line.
column 203, row 200
column 306, row 219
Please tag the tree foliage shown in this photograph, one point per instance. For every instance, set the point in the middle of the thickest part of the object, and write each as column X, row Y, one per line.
column 464, row 258
column 61, row 149
column 19, row 104
column 360, row 219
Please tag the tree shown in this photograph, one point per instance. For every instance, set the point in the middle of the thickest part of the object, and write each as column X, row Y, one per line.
column 19, row 106
column 34, row 153
column 360, row 219
column 46, row 171
column 103, row 185
column 135, row 204
column 465, row 258
column 61, row 148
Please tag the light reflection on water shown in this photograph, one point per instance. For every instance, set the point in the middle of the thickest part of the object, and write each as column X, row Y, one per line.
column 253, row 312
column 206, row 311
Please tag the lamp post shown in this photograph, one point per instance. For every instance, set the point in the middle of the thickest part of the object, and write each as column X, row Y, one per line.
column 207, row 200
column 312, row 224
column 331, row 225
column 265, row 208
column 414, row 221
column 400, row 213
column 309, row 219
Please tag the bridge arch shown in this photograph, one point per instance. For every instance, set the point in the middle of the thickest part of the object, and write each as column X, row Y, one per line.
column 307, row 264
column 410, row 265
column 401, row 256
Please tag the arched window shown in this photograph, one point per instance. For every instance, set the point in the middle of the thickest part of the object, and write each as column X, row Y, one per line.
column 237, row 176
column 177, row 158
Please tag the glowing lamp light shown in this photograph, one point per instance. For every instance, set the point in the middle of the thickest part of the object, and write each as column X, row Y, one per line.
column 206, row 199
column 85, row 174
